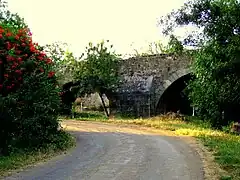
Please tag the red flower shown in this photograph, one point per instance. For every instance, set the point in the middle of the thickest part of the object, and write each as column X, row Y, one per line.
column 18, row 71
column 19, row 59
column 23, row 44
column 40, row 58
column 15, row 63
column 8, row 34
column 8, row 45
column 51, row 74
column 48, row 61
column 17, row 37
column 10, row 58
column 42, row 54
column 9, row 87
column 13, row 66
column 1, row 36
column 32, row 49
column 41, row 69
column 18, row 52
column 20, row 31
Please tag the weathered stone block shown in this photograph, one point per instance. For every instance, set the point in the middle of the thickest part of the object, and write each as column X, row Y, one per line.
column 135, row 73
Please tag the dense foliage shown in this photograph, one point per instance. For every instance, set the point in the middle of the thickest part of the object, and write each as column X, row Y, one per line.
column 98, row 72
column 29, row 93
column 216, row 67
column 64, row 61
column 64, row 66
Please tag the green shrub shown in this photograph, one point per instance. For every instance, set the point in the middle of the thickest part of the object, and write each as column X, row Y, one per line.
column 29, row 95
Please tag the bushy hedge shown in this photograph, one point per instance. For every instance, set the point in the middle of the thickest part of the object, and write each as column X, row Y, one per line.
column 29, row 95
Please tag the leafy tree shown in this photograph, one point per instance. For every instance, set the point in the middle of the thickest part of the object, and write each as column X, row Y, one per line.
column 11, row 19
column 64, row 65
column 217, row 62
column 98, row 72
column 64, row 61
column 56, row 51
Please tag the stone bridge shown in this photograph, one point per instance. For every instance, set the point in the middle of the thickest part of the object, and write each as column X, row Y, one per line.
column 153, row 84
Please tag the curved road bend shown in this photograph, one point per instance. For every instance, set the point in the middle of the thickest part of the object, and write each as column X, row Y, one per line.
column 111, row 152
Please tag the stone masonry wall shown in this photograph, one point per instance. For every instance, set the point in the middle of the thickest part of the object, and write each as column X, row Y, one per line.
column 142, row 81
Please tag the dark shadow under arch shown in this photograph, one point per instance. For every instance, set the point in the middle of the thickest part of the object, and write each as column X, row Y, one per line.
column 174, row 98
column 70, row 93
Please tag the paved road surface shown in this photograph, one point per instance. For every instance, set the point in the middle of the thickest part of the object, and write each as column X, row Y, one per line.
column 111, row 152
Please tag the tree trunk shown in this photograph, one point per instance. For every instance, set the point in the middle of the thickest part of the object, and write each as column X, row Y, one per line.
column 104, row 106
column 112, row 108
column 112, row 103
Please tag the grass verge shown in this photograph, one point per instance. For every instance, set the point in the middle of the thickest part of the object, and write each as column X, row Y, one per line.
column 223, row 145
column 22, row 158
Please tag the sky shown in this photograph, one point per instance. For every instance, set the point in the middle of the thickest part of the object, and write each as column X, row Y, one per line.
column 128, row 24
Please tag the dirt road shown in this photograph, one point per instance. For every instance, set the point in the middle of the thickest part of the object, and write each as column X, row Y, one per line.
column 111, row 152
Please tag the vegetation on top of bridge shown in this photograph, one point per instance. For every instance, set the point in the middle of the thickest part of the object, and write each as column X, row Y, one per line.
column 155, row 48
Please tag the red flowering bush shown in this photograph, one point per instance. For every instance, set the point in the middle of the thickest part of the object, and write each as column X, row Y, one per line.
column 29, row 96
column 19, row 56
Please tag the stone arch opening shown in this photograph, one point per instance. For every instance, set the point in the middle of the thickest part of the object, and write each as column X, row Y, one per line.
column 92, row 101
column 173, row 98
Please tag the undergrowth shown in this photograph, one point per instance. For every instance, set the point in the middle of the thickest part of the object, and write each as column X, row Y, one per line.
column 21, row 158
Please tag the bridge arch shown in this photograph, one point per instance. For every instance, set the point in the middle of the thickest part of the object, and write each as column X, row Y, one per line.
column 172, row 97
